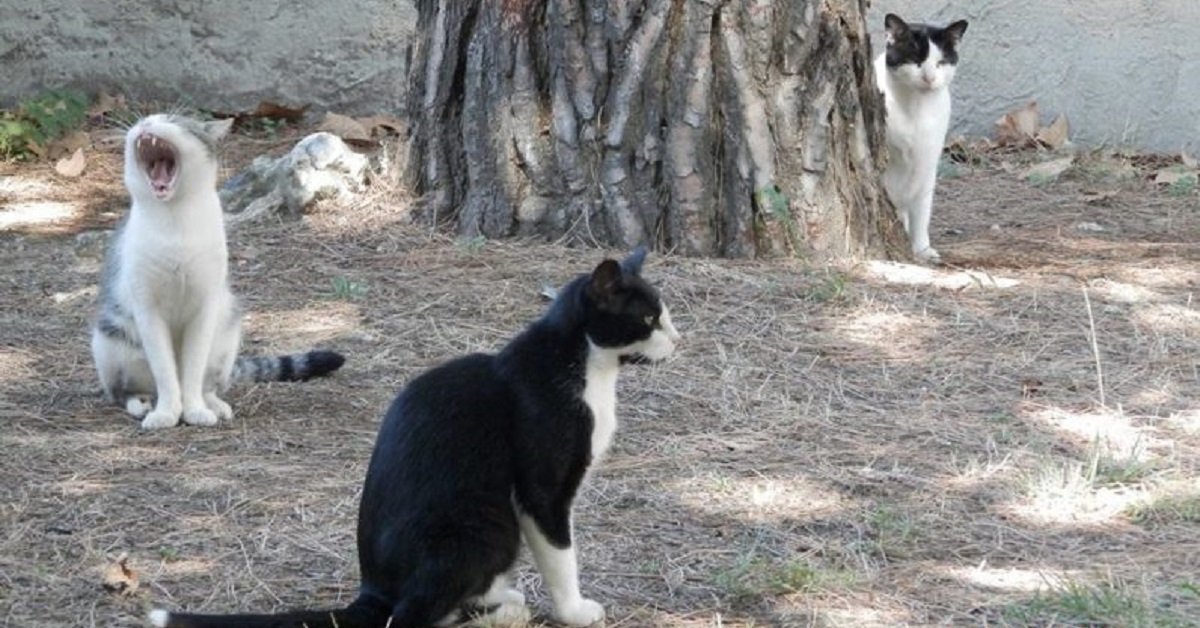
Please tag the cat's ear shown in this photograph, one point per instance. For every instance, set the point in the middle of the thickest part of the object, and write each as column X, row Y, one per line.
column 605, row 279
column 217, row 129
column 632, row 264
column 896, row 28
column 955, row 31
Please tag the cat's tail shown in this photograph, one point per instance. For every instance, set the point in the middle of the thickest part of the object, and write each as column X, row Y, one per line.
column 361, row 613
column 297, row 367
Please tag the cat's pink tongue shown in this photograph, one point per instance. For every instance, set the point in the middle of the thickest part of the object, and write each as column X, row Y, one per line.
column 160, row 173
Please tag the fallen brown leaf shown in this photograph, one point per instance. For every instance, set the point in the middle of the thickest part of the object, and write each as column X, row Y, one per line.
column 119, row 578
column 1048, row 170
column 68, row 144
column 1019, row 126
column 276, row 111
column 381, row 125
column 344, row 127
column 71, row 166
column 1055, row 135
column 105, row 104
column 1168, row 176
column 1099, row 197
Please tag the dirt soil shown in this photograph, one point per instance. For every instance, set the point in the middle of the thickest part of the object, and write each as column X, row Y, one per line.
column 1009, row 439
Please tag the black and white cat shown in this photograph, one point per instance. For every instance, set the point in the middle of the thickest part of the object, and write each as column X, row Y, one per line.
column 915, row 74
column 486, row 449
column 168, row 323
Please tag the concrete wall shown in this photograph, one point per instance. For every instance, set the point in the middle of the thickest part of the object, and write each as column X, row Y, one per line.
column 1123, row 71
column 218, row 54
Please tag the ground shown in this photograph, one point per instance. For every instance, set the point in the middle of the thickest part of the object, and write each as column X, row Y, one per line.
column 1010, row 439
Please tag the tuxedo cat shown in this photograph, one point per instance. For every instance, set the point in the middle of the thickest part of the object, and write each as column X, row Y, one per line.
column 915, row 74
column 168, row 323
column 486, row 449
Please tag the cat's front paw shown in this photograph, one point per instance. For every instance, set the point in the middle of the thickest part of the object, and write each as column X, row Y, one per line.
column 199, row 416
column 581, row 613
column 929, row 255
column 219, row 407
column 158, row 419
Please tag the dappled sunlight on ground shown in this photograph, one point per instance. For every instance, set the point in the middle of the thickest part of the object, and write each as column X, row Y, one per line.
column 917, row 275
column 897, row 335
column 1010, row 579
column 764, row 498
column 16, row 365
column 33, row 215
column 1169, row 317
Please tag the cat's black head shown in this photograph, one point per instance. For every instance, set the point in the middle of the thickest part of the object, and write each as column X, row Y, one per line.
column 625, row 314
column 920, row 55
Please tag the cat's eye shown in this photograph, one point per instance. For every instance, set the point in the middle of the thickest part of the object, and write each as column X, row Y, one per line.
column 649, row 320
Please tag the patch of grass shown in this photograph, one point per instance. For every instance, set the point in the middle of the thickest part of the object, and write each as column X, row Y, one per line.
column 1041, row 179
column 947, row 168
column 168, row 554
column 1082, row 604
column 1183, row 186
column 471, row 245
column 346, row 289
column 1106, row 469
column 897, row 534
column 1165, row 509
column 753, row 577
column 831, row 288
column 25, row 131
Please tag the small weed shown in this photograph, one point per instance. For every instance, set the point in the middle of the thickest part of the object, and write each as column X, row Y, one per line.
column 947, row 168
column 472, row 245
column 896, row 534
column 831, row 288
column 1081, row 604
column 168, row 554
column 348, row 290
column 1170, row 508
column 1108, row 469
column 26, row 131
column 1041, row 179
column 754, row 577
column 269, row 127
column 1185, row 185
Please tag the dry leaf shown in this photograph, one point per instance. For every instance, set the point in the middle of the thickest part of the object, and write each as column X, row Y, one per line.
column 276, row 111
column 381, row 125
column 344, row 127
column 1100, row 197
column 71, row 166
column 1019, row 126
column 1055, row 135
column 1188, row 160
column 106, row 104
column 119, row 578
column 68, row 144
column 1048, row 170
column 1168, row 176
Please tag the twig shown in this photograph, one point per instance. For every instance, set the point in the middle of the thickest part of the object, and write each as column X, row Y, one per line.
column 1095, row 347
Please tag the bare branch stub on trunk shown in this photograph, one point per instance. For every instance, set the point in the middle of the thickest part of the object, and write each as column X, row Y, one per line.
column 731, row 128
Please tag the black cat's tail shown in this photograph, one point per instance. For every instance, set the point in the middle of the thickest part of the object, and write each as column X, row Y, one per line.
column 360, row 614
column 297, row 367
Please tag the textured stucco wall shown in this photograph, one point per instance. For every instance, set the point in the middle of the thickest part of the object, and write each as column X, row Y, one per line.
column 1123, row 71
column 212, row 53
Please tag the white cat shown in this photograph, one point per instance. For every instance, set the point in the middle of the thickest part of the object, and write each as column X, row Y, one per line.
column 168, row 322
column 915, row 74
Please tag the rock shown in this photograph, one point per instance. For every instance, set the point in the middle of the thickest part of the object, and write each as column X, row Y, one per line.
column 320, row 166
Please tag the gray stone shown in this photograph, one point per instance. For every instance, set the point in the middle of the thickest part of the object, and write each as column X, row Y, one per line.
column 320, row 166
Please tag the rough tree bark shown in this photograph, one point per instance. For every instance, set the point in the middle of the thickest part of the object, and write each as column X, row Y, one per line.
column 711, row 127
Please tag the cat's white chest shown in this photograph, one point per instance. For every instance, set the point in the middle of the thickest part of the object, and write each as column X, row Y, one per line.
column 600, row 395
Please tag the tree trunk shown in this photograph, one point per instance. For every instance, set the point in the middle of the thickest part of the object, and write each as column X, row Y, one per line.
column 724, row 127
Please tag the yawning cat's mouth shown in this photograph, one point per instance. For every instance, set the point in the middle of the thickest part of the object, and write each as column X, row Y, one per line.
column 159, row 161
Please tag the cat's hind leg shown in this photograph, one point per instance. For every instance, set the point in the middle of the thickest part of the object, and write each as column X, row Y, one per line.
column 124, row 374
column 220, row 368
column 501, row 605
